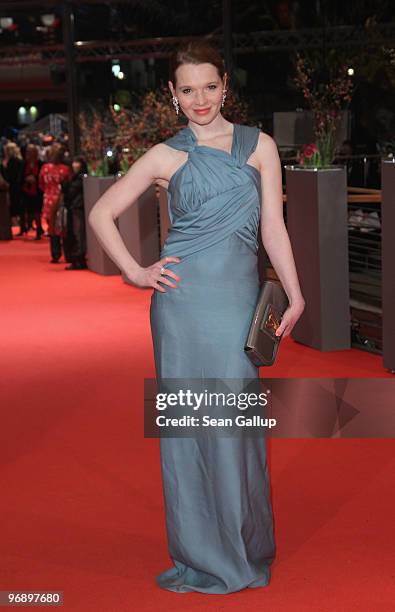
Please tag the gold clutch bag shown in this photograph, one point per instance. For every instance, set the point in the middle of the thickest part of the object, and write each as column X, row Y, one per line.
column 262, row 344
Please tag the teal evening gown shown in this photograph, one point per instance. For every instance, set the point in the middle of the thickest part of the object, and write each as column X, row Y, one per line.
column 216, row 489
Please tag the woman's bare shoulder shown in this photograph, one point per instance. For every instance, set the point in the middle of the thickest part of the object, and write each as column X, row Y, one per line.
column 161, row 152
column 266, row 149
column 154, row 158
column 163, row 160
column 265, row 140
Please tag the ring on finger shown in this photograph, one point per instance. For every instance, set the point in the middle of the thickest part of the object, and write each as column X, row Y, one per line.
column 162, row 270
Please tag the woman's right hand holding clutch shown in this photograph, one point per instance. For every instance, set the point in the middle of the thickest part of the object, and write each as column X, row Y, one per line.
column 157, row 273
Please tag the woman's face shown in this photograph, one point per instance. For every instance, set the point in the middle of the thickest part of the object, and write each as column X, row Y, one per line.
column 199, row 91
column 76, row 166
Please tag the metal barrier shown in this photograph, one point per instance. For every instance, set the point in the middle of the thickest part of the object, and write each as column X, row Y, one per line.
column 364, row 236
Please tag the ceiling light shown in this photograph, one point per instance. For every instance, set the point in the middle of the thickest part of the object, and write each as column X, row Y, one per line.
column 48, row 19
column 6, row 22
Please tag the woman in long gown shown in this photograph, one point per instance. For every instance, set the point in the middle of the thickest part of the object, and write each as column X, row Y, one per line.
column 216, row 489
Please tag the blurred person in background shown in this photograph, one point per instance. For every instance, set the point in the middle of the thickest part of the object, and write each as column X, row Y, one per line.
column 42, row 148
column 11, row 170
column 52, row 174
column 74, row 203
column 5, row 219
column 32, row 195
column 22, row 142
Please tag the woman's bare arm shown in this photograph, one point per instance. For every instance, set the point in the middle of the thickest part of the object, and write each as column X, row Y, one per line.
column 274, row 233
column 122, row 194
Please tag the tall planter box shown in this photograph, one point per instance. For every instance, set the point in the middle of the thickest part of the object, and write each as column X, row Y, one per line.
column 97, row 259
column 139, row 228
column 317, row 226
column 388, row 261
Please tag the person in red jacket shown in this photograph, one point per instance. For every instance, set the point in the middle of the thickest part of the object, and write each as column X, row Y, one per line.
column 52, row 174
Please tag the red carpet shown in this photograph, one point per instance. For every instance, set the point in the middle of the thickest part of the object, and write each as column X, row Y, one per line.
column 82, row 507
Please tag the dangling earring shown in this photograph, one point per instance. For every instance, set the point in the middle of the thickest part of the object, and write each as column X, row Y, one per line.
column 223, row 97
column 176, row 104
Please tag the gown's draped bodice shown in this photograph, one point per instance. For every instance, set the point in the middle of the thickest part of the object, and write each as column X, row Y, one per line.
column 227, row 200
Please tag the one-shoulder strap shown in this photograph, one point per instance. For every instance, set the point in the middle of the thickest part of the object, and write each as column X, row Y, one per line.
column 246, row 140
column 181, row 141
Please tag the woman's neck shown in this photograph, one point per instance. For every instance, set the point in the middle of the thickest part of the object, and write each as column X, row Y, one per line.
column 217, row 127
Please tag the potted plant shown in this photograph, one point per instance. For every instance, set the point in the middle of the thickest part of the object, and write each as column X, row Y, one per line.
column 98, row 180
column 317, row 214
column 327, row 91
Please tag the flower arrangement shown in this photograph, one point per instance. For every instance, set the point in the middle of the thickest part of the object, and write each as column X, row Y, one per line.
column 137, row 130
column 327, row 97
column 93, row 142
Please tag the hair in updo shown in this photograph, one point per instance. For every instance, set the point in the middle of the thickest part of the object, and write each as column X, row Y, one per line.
column 196, row 52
